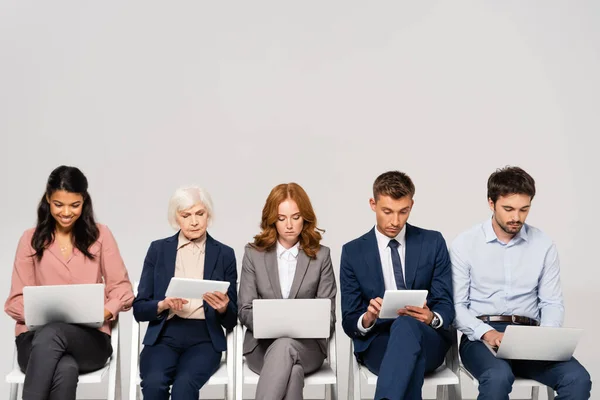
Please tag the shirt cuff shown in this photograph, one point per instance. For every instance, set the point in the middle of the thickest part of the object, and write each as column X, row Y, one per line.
column 360, row 327
column 481, row 330
column 114, row 306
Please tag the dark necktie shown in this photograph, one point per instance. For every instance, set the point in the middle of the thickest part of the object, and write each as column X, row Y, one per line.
column 397, row 264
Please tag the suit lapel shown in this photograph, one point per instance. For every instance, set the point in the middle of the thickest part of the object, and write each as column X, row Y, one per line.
column 273, row 272
column 301, row 268
column 211, row 255
column 170, row 255
column 373, row 260
column 413, row 252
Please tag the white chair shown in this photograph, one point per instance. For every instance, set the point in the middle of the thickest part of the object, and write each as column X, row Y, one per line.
column 445, row 378
column 519, row 382
column 16, row 377
column 223, row 376
column 326, row 375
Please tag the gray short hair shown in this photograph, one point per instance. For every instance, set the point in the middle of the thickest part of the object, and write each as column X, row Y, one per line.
column 186, row 197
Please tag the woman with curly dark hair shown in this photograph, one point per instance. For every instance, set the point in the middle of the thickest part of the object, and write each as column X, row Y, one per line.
column 66, row 247
column 286, row 260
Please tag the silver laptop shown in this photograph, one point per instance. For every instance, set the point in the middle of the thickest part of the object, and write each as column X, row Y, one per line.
column 537, row 343
column 292, row 318
column 75, row 304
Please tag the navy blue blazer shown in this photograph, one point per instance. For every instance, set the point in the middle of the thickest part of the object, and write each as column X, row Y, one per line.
column 361, row 279
column 159, row 268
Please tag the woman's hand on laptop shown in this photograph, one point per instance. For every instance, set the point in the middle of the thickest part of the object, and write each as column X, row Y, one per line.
column 493, row 338
column 171, row 303
column 217, row 300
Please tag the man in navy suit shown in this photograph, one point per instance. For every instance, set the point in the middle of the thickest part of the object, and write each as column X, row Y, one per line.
column 397, row 256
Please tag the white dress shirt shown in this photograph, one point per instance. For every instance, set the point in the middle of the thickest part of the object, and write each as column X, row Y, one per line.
column 286, row 263
column 389, row 279
column 385, row 253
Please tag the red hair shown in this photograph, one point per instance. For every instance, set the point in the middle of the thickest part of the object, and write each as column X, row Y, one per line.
column 310, row 237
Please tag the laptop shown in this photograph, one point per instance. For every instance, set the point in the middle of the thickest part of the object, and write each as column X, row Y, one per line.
column 537, row 343
column 292, row 318
column 74, row 304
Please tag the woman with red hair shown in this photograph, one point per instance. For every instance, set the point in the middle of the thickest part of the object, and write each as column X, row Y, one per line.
column 285, row 261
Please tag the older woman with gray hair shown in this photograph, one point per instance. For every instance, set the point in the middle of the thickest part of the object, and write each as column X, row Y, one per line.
column 184, row 340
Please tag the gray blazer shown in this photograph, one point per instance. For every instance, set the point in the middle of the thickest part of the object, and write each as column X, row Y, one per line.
column 314, row 278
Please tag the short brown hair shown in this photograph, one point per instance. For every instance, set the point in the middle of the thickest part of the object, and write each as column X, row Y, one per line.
column 310, row 237
column 395, row 184
column 510, row 180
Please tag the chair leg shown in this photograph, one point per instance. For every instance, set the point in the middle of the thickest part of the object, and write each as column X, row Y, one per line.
column 535, row 393
column 442, row 392
column 550, row 392
column 14, row 390
column 355, row 381
column 455, row 392
column 118, row 395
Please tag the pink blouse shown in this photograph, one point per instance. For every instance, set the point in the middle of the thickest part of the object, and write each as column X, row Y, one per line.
column 107, row 267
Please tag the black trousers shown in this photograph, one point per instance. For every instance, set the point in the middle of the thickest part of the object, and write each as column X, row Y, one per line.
column 53, row 356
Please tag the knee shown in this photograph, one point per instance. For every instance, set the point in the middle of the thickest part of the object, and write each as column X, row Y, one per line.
column 189, row 381
column 405, row 324
column 282, row 346
column 577, row 383
column 49, row 333
column 404, row 321
column 497, row 380
column 156, row 380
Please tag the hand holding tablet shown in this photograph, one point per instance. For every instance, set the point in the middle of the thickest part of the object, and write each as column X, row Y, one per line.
column 394, row 300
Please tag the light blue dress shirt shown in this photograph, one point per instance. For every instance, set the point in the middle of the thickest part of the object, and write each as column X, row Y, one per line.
column 521, row 277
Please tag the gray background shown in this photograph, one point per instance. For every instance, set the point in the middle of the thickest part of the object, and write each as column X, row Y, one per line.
column 241, row 96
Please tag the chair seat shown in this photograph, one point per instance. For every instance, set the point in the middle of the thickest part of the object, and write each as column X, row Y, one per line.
column 441, row 376
column 218, row 378
column 16, row 376
column 324, row 376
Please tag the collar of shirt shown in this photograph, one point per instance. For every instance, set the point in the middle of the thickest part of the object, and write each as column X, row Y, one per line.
column 197, row 244
column 383, row 241
column 288, row 254
column 491, row 236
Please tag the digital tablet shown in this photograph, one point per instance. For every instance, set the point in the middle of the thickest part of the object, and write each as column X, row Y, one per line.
column 393, row 300
column 188, row 288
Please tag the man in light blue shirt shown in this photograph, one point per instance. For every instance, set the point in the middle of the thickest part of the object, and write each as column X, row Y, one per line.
column 507, row 272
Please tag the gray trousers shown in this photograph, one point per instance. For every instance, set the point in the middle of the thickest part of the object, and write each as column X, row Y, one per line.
column 282, row 364
column 53, row 356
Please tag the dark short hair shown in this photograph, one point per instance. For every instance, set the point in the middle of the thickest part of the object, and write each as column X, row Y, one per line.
column 510, row 180
column 395, row 184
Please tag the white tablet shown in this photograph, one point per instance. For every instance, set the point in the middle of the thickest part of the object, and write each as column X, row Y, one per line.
column 393, row 300
column 188, row 288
